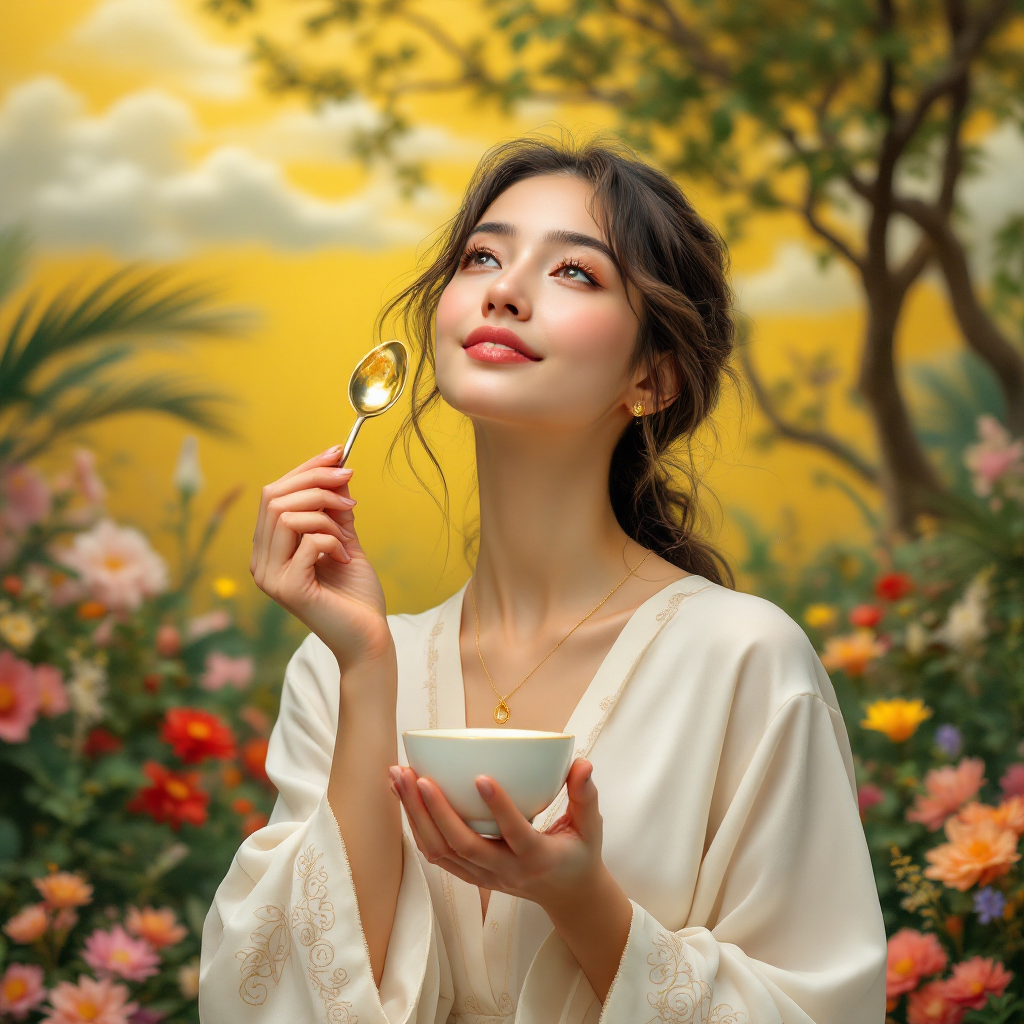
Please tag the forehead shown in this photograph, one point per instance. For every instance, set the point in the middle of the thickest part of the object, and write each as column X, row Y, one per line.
column 549, row 202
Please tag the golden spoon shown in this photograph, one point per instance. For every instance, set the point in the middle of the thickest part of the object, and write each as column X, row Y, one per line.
column 376, row 384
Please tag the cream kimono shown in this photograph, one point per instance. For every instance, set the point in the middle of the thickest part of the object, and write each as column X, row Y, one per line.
column 730, row 820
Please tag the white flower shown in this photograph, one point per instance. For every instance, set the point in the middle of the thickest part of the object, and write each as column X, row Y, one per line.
column 86, row 688
column 188, row 476
column 18, row 629
column 188, row 979
column 117, row 565
column 965, row 625
column 916, row 639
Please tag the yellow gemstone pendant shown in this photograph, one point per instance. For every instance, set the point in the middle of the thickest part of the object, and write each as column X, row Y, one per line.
column 502, row 713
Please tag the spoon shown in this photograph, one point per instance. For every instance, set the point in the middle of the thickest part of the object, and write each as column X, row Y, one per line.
column 375, row 385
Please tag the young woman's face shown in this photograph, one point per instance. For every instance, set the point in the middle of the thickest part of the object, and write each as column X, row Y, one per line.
column 535, row 328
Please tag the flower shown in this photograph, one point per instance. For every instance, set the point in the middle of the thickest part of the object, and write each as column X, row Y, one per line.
column 222, row 670
column 916, row 639
column 21, row 990
column 930, row 1005
column 852, row 652
column 53, row 698
column 949, row 740
column 26, row 497
column 195, row 735
column 89, row 1002
column 19, row 698
column 188, row 476
column 117, row 565
column 158, row 927
column 989, row 904
column 89, row 610
column 965, row 625
column 224, row 587
column 1012, row 782
column 1009, row 814
column 865, row 616
column 256, row 718
column 188, row 979
column 87, row 687
column 64, row 889
column 947, row 790
column 86, row 478
column 911, row 956
column 173, row 797
column 973, row 981
column 168, row 641
column 117, row 953
column 977, row 853
column 897, row 718
column 821, row 616
column 28, row 924
column 867, row 796
column 204, row 625
column 253, row 823
column 144, row 1015
column 101, row 741
column 254, row 758
column 892, row 586
column 18, row 629
column 64, row 920
column 994, row 458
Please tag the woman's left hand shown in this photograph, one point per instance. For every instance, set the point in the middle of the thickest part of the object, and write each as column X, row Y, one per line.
column 557, row 869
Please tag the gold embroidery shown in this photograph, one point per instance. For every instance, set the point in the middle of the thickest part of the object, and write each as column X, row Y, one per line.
column 431, row 684
column 311, row 917
column 266, row 957
column 682, row 997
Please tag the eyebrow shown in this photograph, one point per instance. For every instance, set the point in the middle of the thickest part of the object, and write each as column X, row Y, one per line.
column 498, row 227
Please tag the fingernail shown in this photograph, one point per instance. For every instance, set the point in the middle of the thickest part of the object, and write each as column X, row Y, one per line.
column 348, row 502
column 336, row 450
column 484, row 787
column 340, row 471
column 396, row 774
column 421, row 785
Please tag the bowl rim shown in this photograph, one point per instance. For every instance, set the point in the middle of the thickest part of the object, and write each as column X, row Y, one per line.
column 523, row 735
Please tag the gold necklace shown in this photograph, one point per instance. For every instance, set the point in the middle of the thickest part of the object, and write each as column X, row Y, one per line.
column 502, row 713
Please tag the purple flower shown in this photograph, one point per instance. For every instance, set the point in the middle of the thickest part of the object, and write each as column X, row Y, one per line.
column 989, row 904
column 949, row 740
column 144, row 1016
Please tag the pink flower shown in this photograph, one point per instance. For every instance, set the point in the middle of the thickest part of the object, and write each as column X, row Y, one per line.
column 26, row 497
column 21, row 990
column 89, row 1002
column 88, row 481
column 912, row 956
column 19, row 698
column 995, row 457
column 53, row 698
column 222, row 671
column 1012, row 782
column 948, row 789
column 167, row 641
column 28, row 924
column 257, row 719
column 867, row 796
column 117, row 565
column 212, row 622
column 974, row 980
column 116, row 952
column 158, row 927
column 931, row 1005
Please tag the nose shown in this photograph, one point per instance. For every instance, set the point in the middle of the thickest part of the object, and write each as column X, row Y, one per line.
column 507, row 293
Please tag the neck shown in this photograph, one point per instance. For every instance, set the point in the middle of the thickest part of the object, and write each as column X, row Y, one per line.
column 549, row 539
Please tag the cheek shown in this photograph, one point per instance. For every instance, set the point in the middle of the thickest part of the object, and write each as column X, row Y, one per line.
column 456, row 302
column 596, row 338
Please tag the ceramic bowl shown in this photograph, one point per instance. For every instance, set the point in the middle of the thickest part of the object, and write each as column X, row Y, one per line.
column 530, row 766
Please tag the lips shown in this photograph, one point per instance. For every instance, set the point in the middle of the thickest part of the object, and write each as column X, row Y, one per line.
column 498, row 345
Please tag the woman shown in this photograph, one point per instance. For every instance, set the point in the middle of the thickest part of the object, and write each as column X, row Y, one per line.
column 577, row 312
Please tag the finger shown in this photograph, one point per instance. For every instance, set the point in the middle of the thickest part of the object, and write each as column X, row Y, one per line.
column 520, row 835
column 430, row 841
column 582, row 794
column 485, row 853
column 291, row 528
column 325, row 458
column 311, row 522
column 469, row 873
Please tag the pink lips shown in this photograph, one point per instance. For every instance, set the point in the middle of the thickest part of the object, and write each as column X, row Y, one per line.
column 498, row 345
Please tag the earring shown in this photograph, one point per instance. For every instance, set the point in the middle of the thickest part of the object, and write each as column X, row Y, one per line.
column 638, row 408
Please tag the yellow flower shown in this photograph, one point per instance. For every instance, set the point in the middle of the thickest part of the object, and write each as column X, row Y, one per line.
column 225, row 587
column 18, row 629
column 821, row 616
column 897, row 718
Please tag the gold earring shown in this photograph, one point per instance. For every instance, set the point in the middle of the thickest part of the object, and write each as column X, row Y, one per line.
column 638, row 408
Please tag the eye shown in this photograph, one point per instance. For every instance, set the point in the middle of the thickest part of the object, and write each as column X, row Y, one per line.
column 479, row 257
column 573, row 270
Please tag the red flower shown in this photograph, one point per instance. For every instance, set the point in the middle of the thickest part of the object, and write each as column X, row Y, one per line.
column 893, row 586
column 867, row 796
column 253, row 823
column 865, row 616
column 173, row 797
column 974, row 980
column 195, row 735
column 99, row 742
column 254, row 758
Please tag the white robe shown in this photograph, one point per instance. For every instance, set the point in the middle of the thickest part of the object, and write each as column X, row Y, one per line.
column 730, row 820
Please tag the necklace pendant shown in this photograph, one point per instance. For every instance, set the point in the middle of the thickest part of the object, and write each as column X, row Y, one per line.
column 502, row 713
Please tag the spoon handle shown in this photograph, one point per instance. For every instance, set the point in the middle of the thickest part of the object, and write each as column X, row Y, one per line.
column 351, row 439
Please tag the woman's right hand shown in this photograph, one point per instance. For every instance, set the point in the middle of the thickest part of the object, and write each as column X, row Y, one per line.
column 306, row 556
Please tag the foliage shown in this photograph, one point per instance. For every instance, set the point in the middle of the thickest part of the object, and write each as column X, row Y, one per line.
column 132, row 741
column 924, row 644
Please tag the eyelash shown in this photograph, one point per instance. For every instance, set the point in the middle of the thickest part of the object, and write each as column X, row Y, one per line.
column 569, row 264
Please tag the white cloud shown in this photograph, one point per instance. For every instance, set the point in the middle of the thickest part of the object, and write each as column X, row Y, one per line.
column 153, row 37
column 795, row 282
column 121, row 181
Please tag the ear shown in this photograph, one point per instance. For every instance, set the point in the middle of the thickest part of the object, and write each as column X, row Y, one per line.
column 656, row 387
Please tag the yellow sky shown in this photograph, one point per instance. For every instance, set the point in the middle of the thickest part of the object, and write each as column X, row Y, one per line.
column 175, row 116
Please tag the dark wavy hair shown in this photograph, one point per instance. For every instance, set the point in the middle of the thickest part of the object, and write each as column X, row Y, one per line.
column 677, row 264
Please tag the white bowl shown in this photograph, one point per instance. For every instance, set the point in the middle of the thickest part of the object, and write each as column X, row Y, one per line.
column 530, row 766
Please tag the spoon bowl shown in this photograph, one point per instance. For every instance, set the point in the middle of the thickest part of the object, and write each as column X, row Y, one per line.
column 376, row 384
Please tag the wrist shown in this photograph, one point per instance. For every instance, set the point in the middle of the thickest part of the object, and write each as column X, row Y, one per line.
column 368, row 692
column 598, row 901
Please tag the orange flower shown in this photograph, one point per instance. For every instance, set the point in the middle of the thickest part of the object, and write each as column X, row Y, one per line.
column 931, row 1005
column 28, row 924
column 253, row 823
column 974, row 980
column 254, row 758
column 195, row 735
column 948, row 789
column 64, row 889
column 1009, row 814
column 158, row 927
column 852, row 652
column 911, row 957
column 975, row 854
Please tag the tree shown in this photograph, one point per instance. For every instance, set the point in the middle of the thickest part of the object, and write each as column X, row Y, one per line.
column 855, row 115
